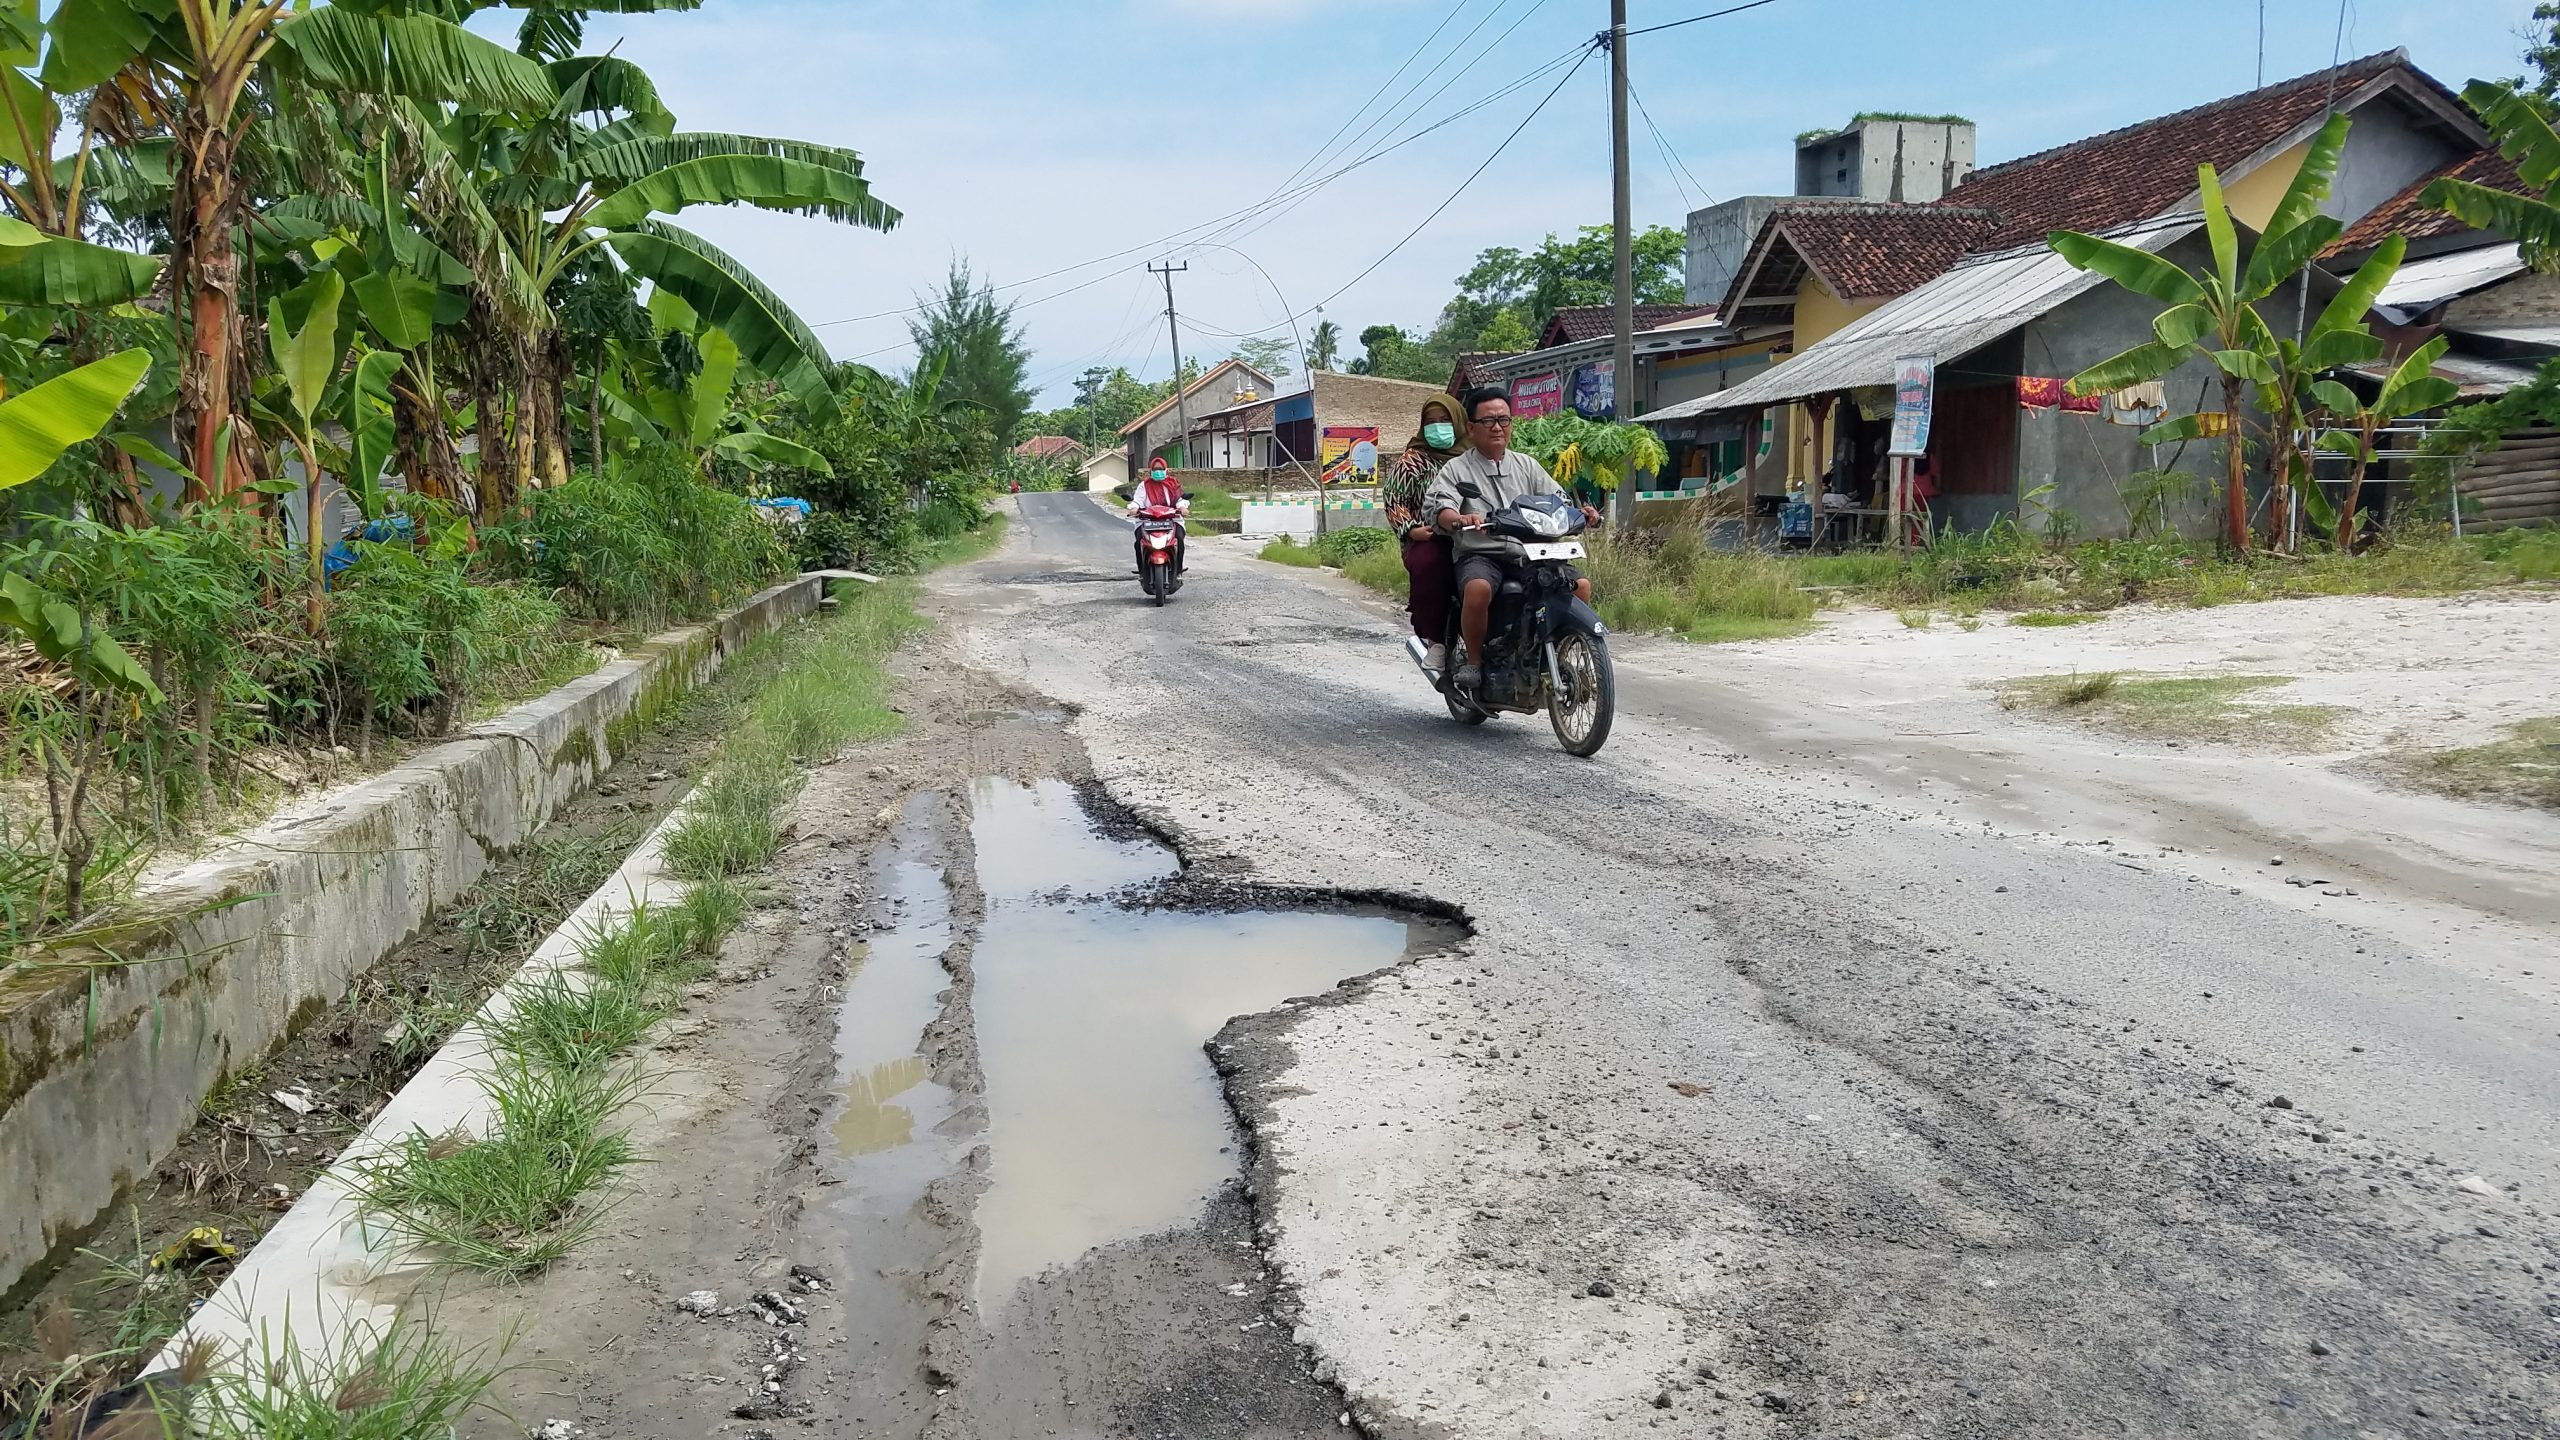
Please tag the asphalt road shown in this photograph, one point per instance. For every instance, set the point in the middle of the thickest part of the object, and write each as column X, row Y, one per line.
column 1767, row 1102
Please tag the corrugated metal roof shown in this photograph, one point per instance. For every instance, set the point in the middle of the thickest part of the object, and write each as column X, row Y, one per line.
column 2476, row 375
column 1952, row 316
column 2424, row 284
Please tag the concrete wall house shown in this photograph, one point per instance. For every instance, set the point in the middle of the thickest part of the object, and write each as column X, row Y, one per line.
column 1158, row 433
column 1356, row 404
column 1843, row 291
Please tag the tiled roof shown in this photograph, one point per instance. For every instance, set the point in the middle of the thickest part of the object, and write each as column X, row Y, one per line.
column 2147, row 169
column 1041, row 447
column 2402, row 214
column 1590, row 322
column 1875, row 252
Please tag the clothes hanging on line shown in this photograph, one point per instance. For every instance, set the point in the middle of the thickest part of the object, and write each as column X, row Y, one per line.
column 2039, row 392
column 2139, row 405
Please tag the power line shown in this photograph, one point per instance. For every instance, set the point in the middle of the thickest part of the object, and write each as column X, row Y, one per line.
column 1180, row 237
column 1354, row 117
column 1694, row 19
column 1670, row 159
column 1472, row 176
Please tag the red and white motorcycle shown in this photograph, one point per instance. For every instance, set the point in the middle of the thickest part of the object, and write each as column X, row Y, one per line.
column 1160, row 542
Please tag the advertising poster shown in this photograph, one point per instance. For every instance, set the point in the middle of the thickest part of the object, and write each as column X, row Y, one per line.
column 1335, row 449
column 1595, row 390
column 1914, row 377
column 1536, row 395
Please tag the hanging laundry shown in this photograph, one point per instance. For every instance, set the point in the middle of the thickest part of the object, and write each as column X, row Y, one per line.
column 2039, row 392
column 2139, row 405
column 2083, row 404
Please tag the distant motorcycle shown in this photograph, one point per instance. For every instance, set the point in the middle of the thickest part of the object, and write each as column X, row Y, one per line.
column 1160, row 551
column 1544, row 649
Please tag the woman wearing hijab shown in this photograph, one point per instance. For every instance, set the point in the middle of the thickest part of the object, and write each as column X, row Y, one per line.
column 1430, row 573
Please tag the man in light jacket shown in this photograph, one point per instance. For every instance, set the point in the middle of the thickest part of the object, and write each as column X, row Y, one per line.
column 1500, row 476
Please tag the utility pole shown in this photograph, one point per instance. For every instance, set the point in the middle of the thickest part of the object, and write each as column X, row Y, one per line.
column 1181, row 405
column 1623, row 383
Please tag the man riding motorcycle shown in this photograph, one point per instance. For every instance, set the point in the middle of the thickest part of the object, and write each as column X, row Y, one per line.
column 1158, row 490
column 1499, row 476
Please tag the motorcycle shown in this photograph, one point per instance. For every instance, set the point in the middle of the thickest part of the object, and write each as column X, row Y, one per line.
column 1545, row 648
column 1160, row 551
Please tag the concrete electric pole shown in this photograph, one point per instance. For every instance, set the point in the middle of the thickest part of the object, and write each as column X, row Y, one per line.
column 1181, row 406
column 1623, row 383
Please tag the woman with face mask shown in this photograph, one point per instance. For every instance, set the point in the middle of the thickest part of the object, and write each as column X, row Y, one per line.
column 1430, row 574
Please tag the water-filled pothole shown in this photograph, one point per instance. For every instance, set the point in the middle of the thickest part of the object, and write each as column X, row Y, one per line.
column 1105, row 1119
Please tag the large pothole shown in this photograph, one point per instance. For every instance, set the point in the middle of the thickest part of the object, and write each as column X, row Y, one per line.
column 1115, row 1282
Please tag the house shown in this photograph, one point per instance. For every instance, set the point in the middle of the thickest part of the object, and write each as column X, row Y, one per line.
column 1319, row 428
column 1157, row 434
column 1681, row 352
column 1464, row 375
column 1846, row 290
column 1064, row 450
column 1106, row 470
column 2500, row 319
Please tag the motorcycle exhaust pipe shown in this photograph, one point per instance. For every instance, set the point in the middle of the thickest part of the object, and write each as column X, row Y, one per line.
column 1420, row 652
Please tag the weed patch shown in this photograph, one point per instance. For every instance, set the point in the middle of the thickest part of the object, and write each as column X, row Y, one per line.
column 398, row 1383
column 2053, row 619
column 1676, row 583
column 1285, row 551
column 2522, row 769
column 2186, row 707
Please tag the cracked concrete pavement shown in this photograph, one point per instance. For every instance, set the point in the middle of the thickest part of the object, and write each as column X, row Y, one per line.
column 1802, row 1081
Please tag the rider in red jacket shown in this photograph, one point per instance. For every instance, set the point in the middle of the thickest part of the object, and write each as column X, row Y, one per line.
column 1158, row 490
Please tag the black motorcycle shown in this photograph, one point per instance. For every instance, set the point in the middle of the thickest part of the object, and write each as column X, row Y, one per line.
column 1545, row 649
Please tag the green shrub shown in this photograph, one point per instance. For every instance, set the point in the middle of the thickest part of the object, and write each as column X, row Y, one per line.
column 1337, row 547
column 646, row 541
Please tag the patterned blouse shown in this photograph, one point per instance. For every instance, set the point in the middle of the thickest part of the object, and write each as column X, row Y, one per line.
column 1403, row 483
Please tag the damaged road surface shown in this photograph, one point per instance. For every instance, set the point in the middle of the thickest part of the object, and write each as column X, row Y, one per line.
column 1755, row 1096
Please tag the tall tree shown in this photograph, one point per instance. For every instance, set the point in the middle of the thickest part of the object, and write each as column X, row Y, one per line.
column 1324, row 345
column 973, row 342
column 1266, row 353
column 2541, row 54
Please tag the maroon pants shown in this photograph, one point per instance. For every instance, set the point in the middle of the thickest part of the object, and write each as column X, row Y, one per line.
column 1432, row 580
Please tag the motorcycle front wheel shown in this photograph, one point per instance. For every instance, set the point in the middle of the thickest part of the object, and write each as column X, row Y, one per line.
column 1160, row 581
column 1583, row 713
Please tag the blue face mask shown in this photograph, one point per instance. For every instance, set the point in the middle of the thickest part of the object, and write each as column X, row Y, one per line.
column 1440, row 436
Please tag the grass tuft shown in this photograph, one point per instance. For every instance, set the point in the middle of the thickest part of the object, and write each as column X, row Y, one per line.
column 511, row 1202
column 710, row 910
column 1285, row 551
column 2182, row 707
column 1914, row 619
column 577, row 1029
column 398, row 1383
column 2054, row 619
column 2523, row 769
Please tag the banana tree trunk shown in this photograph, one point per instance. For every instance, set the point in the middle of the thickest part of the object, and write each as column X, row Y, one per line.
column 315, row 536
column 203, row 216
column 2235, row 485
column 548, row 394
column 428, row 463
column 2355, row 486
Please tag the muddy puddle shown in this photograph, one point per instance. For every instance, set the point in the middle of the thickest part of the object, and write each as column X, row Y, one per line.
column 1105, row 1119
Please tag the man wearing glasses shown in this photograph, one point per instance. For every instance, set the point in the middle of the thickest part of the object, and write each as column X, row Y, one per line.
column 1499, row 478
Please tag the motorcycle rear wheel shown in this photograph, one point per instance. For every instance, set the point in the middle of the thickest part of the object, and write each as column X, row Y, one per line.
column 1582, row 715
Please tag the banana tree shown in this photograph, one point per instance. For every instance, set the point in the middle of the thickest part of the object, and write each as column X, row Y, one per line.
column 2411, row 389
column 702, row 416
column 2525, row 136
column 2212, row 315
column 307, row 360
column 206, row 54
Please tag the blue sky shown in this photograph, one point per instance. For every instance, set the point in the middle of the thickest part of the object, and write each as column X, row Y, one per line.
column 1034, row 136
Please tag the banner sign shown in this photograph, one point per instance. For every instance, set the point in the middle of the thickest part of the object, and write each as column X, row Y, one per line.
column 1536, row 395
column 1340, row 448
column 1914, row 380
column 1595, row 390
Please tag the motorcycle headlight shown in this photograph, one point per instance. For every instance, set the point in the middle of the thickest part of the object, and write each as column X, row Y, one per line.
column 1551, row 522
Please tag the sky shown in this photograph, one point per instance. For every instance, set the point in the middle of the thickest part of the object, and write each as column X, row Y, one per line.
column 1031, row 136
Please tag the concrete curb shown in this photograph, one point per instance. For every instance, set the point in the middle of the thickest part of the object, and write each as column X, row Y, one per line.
column 103, row 1059
column 322, row 1273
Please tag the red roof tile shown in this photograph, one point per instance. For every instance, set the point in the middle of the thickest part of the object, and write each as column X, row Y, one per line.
column 2402, row 214
column 1874, row 252
column 1590, row 322
column 1041, row 447
column 2145, row 170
